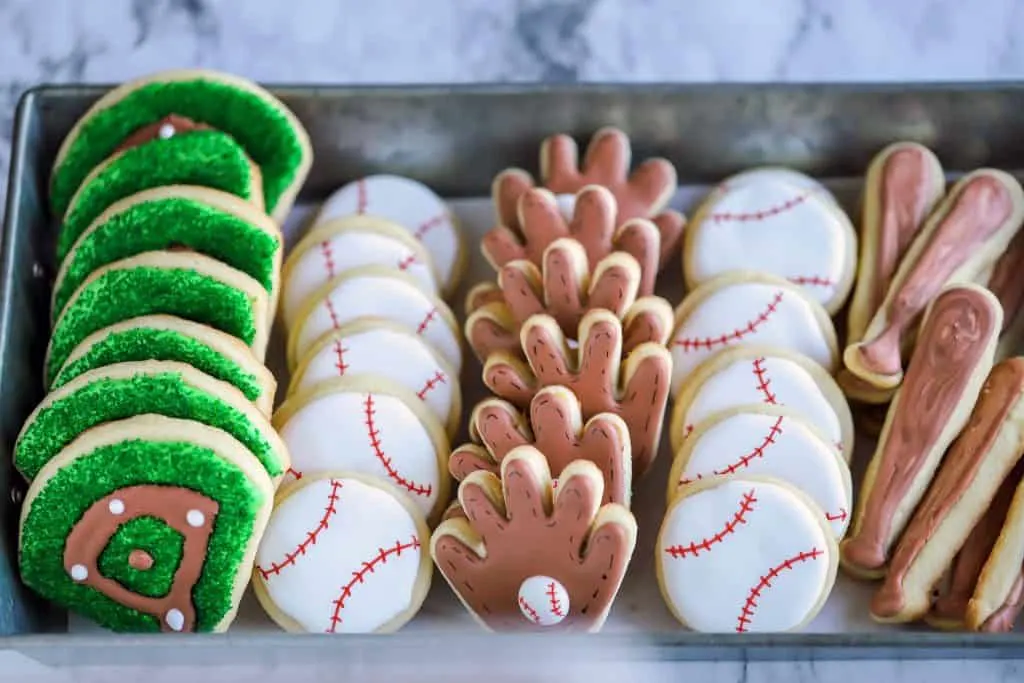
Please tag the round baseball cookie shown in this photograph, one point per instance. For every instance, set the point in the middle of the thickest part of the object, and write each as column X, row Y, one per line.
column 182, row 99
column 761, row 174
column 342, row 554
column 120, row 391
column 769, row 225
column 340, row 244
column 383, row 349
column 744, row 308
column 181, row 284
column 146, row 524
column 412, row 205
column 380, row 293
column 371, row 426
column 769, row 441
column 758, row 375
column 745, row 555
column 165, row 337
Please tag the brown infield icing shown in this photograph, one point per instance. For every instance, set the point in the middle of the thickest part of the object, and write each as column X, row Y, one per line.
column 1002, row 390
column 552, row 416
column 1007, row 280
column 951, row 345
column 140, row 560
column 527, row 541
column 980, row 210
column 181, row 124
column 172, row 504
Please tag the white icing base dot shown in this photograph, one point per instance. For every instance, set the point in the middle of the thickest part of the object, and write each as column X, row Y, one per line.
column 166, row 131
column 543, row 600
column 175, row 619
column 79, row 572
column 116, row 506
column 195, row 518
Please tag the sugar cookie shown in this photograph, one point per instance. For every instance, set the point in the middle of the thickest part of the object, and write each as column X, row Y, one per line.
column 761, row 174
column 999, row 595
column 1008, row 286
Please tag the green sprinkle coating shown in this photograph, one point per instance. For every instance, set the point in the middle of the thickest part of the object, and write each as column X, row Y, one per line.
column 163, row 543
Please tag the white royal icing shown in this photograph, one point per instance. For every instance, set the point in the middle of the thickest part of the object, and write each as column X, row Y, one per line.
column 772, row 227
column 388, row 298
column 778, row 174
column 397, row 356
column 746, row 312
column 409, row 203
column 743, row 556
column 543, row 600
column 340, row 556
column 773, row 446
column 322, row 262
column 373, row 434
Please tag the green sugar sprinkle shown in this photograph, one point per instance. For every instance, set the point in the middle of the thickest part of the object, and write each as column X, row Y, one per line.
column 164, row 545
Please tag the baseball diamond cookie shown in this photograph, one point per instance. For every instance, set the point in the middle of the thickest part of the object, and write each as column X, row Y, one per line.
column 380, row 293
column 411, row 205
column 961, row 241
column 342, row 554
column 952, row 358
column 384, row 349
column 340, row 244
column 739, row 309
column 998, row 597
column 146, row 524
column 767, row 441
column 526, row 556
column 182, row 99
column 556, row 429
column 198, row 219
column 181, row 284
column 371, row 426
column 205, row 158
column 119, row 391
column 763, row 375
column 971, row 472
column 762, row 223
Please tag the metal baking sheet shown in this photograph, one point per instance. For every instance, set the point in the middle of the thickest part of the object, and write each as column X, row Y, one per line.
column 456, row 140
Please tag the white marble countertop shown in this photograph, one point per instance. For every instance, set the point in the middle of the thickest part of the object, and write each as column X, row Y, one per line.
column 417, row 41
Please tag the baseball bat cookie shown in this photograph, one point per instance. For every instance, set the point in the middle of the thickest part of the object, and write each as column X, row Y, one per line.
column 380, row 293
column 961, row 240
column 763, row 376
column 369, row 426
column 555, row 427
column 998, row 597
column 180, row 284
column 1008, row 286
column 384, row 349
column 952, row 358
column 340, row 524
column 763, row 223
column 967, row 480
column 411, row 205
column 209, row 222
column 739, row 309
column 527, row 556
column 146, row 524
column 745, row 555
column 634, row 388
column 340, row 244
column 768, row 441
column 166, row 103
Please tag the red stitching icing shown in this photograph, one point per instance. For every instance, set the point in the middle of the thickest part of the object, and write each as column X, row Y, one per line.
column 746, row 505
column 744, row 461
column 752, row 325
column 556, row 604
column 404, row 263
column 339, row 352
column 438, row 378
column 840, row 517
column 374, row 435
column 812, row 280
column 425, row 323
column 328, row 254
column 335, row 323
column 294, row 473
column 763, row 381
column 361, row 199
column 750, row 605
column 289, row 558
column 359, row 575
column 530, row 613
column 761, row 215
column 429, row 225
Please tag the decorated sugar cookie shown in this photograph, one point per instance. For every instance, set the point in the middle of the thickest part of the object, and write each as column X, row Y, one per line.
column 767, row 441
column 379, row 293
column 745, row 555
column 526, row 557
column 748, row 308
column 412, row 205
column 384, row 349
column 371, row 426
column 342, row 554
column 340, row 244
column 146, row 524
column 765, row 224
column 778, row 174
column 1005, row 282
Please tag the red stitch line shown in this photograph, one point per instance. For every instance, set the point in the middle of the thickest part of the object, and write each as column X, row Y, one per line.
column 750, row 605
column 427, row 319
column 290, row 558
column 431, row 384
column 328, row 254
column 374, row 435
column 752, row 325
column 531, row 613
column 746, row 505
column 761, row 215
column 404, row 263
column 294, row 473
column 339, row 352
column 833, row 517
column 813, row 280
column 744, row 461
column 556, row 605
column 763, row 381
column 429, row 225
column 359, row 575
column 335, row 323
column 361, row 199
